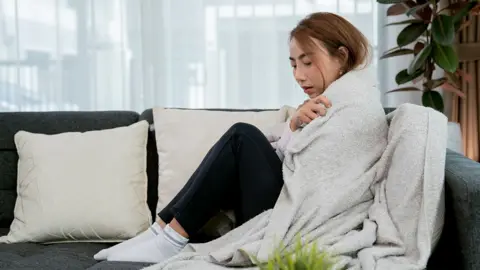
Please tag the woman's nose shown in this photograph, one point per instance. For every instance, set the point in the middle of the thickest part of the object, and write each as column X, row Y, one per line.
column 299, row 75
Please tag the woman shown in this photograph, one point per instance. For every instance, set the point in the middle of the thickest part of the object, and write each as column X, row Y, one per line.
column 242, row 171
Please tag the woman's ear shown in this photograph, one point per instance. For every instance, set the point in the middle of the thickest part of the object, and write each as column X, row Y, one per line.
column 343, row 51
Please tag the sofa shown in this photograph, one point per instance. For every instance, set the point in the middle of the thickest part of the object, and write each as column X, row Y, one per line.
column 458, row 248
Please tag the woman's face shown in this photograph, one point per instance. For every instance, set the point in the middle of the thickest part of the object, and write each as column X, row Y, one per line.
column 314, row 78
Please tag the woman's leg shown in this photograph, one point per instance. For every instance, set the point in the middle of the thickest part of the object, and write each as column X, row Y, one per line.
column 241, row 171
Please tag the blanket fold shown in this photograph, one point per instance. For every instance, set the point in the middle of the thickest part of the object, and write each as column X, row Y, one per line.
column 363, row 186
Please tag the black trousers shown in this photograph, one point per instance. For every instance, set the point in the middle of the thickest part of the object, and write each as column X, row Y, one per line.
column 240, row 172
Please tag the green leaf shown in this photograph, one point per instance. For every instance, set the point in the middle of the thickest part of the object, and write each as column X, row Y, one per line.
column 405, row 22
column 410, row 33
column 420, row 59
column 433, row 99
column 437, row 82
column 445, row 57
column 404, row 89
column 390, row 1
column 432, row 84
column 452, row 78
column 397, row 53
column 403, row 76
column 443, row 30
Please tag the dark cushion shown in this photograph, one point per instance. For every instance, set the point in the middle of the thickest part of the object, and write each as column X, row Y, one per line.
column 462, row 178
column 47, row 123
column 57, row 256
column 119, row 266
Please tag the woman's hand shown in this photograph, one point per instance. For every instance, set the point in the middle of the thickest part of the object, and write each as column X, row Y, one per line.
column 309, row 110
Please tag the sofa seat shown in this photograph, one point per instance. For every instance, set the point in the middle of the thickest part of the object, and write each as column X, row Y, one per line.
column 57, row 256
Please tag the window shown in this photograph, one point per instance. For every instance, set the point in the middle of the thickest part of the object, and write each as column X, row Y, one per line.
column 121, row 54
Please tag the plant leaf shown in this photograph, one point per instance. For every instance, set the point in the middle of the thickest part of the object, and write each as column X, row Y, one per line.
column 410, row 33
column 452, row 78
column 433, row 99
column 445, row 57
column 404, row 89
column 405, row 22
column 432, row 84
column 403, row 76
column 392, row 49
column 451, row 88
column 418, row 47
column 420, row 59
column 425, row 13
column 417, row 8
column 443, row 31
column 397, row 53
column 396, row 9
column 390, row 1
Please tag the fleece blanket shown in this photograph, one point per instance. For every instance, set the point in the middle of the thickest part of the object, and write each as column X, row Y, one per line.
column 363, row 186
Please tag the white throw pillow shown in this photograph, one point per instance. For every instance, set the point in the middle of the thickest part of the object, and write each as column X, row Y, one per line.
column 184, row 137
column 74, row 186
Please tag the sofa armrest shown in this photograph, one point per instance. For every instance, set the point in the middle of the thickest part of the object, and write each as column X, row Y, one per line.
column 462, row 176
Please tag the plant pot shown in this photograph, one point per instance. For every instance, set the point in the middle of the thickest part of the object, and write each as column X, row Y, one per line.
column 454, row 139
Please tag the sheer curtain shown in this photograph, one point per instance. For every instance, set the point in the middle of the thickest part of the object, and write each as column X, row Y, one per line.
column 133, row 55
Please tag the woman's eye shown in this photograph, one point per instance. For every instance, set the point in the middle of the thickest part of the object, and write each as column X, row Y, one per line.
column 294, row 66
column 307, row 64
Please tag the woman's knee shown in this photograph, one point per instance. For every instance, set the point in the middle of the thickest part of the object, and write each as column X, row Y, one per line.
column 244, row 128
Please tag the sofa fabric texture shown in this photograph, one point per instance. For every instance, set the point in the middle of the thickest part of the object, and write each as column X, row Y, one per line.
column 458, row 247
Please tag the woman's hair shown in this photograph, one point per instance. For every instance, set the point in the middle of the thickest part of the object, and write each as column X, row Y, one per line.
column 333, row 32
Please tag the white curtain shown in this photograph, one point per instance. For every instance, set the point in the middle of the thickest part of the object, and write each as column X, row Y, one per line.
column 136, row 54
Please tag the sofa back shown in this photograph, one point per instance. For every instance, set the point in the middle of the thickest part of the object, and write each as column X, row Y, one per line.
column 58, row 122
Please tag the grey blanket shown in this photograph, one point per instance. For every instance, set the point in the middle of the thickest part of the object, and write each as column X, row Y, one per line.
column 365, row 187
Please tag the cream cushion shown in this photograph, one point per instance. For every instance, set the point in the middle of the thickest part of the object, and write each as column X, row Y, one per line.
column 183, row 138
column 74, row 186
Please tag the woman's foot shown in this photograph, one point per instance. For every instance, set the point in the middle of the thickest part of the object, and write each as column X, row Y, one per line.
column 155, row 250
column 150, row 233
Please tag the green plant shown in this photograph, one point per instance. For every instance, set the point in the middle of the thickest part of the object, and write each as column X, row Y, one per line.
column 431, row 30
column 301, row 257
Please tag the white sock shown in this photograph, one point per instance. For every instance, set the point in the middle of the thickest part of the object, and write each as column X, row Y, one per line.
column 150, row 233
column 158, row 249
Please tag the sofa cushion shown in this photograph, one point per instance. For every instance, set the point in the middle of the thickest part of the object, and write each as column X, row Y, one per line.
column 48, row 123
column 185, row 136
column 68, row 193
column 57, row 256
column 119, row 266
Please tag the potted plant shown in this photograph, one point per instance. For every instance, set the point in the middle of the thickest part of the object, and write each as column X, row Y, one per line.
column 300, row 257
column 429, row 36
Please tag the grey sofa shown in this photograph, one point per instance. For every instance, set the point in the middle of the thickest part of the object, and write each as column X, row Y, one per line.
column 459, row 246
